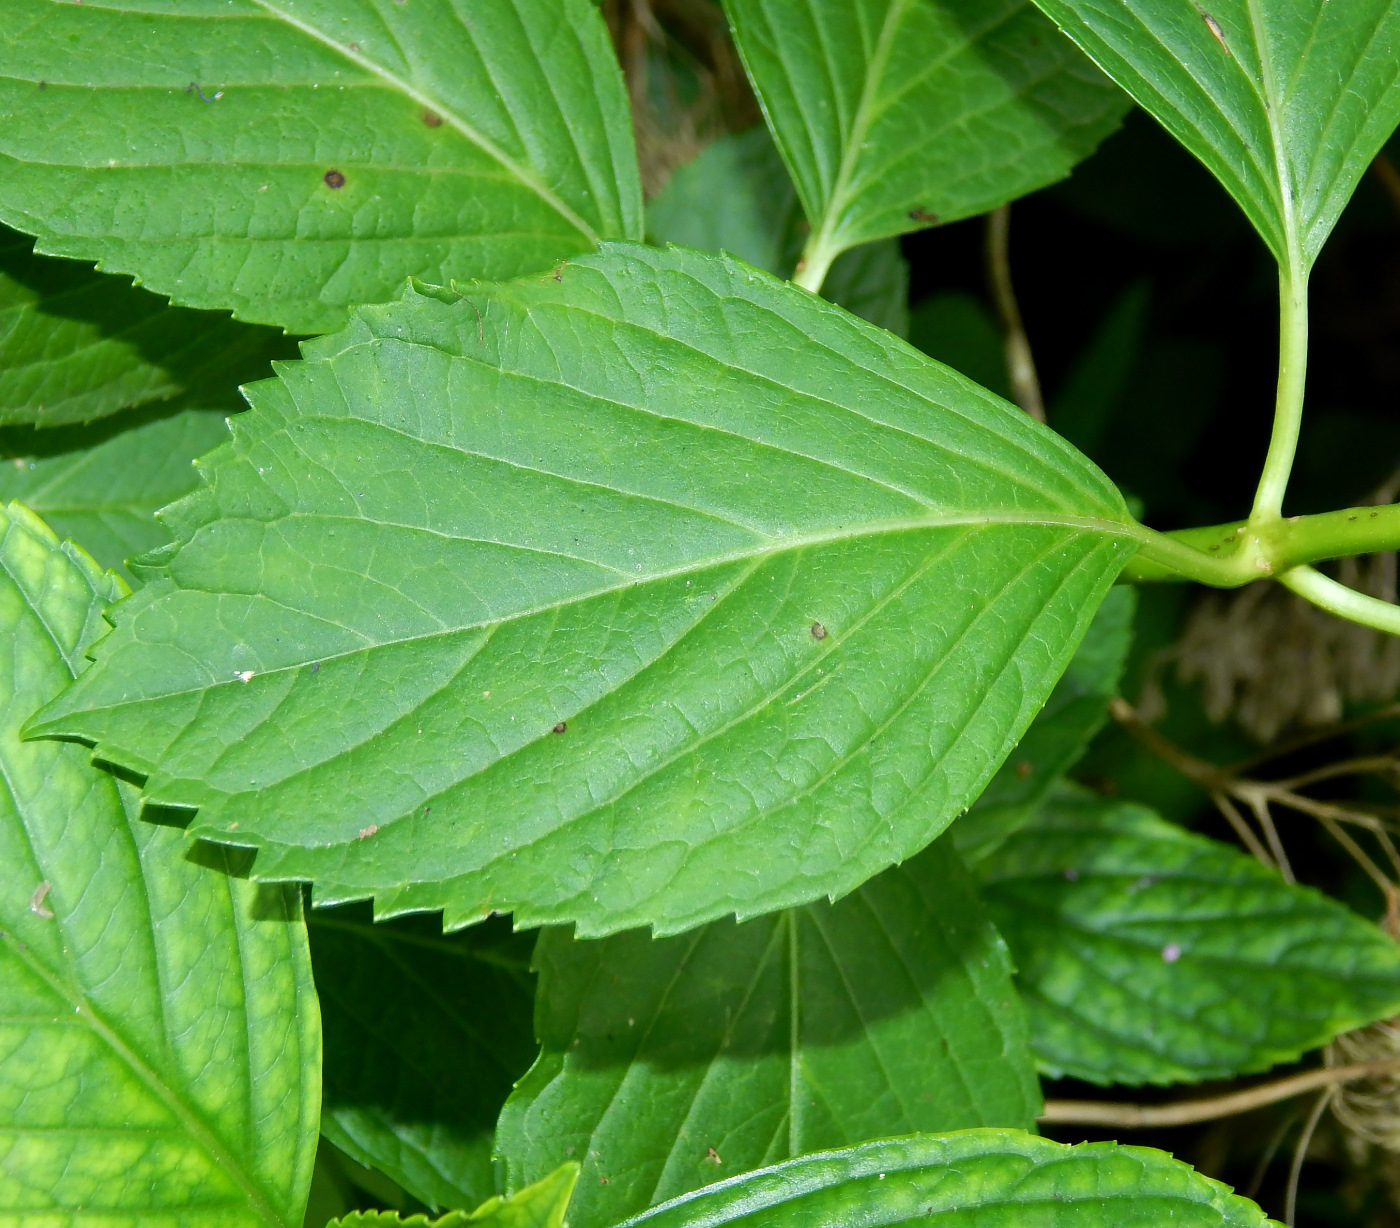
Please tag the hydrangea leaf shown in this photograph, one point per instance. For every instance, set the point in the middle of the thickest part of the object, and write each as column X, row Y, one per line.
column 644, row 593
column 159, row 1034
column 541, row 1205
column 972, row 1179
column 103, row 485
column 425, row 1035
column 893, row 115
column 668, row 1064
column 286, row 159
column 1148, row 954
column 1285, row 101
column 76, row 344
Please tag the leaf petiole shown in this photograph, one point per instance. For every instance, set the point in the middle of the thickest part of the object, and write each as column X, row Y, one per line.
column 1288, row 406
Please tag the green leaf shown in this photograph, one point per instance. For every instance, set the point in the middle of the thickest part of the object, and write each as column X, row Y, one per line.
column 425, row 1036
column 1060, row 733
column 735, row 196
column 972, row 1179
column 668, row 1064
column 159, row 1036
column 79, row 345
column 103, row 486
column 1147, row 954
column 541, row 1205
column 898, row 114
column 726, row 603
column 1285, row 101
column 286, row 159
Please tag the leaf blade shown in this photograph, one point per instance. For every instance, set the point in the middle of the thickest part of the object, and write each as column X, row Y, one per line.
column 316, row 159
column 162, row 1043
column 646, row 387
column 670, row 1064
column 1149, row 954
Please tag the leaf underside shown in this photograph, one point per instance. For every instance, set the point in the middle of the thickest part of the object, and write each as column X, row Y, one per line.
column 104, row 486
column 1285, row 101
column 425, row 1035
column 287, row 159
column 668, row 1064
column 1147, row 954
column 644, row 594
column 541, row 1205
column 159, row 1035
column 80, row 345
column 971, row 1179
column 893, row 115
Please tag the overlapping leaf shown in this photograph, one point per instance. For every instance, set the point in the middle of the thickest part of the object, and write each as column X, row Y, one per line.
column 898, row 114
column 1148, row 954
column 972, row 1179
column 655, row 592
column 541, row 1205
column 736, row 197
column 77, row 345
column 159, row 1037
column 668, row 1064
column 288, row 158
column 103, row 486
column 1286, row 101
column 424, row 1036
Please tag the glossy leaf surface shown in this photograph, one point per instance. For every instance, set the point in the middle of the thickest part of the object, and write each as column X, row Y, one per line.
column 159, row 1036
column 541, row 1205
column 425, row 1035
column 1286, row 101
column 647, row 595
column 103, row 486
column 77, row 345
column 668, row 1064
column 972, row 1179
column 893, row 115
column 1147, row 954
column 286, row 159
column 737, row 197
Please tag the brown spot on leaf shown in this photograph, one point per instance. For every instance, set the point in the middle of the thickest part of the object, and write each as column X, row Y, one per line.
column 923, row 216
column 367, row 832
column 818, row 631
column 432, row 119
column 334, row 179
column 561, row 727
column 1024, row 769
column 713, row 1156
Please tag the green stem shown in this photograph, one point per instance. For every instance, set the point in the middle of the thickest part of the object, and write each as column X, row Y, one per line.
column 1345, row 602
column 816, row 260
column 1288, row 406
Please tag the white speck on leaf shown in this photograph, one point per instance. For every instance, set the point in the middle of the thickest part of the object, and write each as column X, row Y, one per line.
column 1171, row 952
column 36, row 901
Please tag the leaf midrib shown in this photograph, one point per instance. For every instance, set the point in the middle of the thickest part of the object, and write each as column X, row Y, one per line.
column 448, row 114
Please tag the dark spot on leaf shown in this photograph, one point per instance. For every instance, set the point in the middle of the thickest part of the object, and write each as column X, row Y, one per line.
column 924, row 216
column 43, row 85
column 334, row 179
column 604, row 1181
column 1024, row 769
column 316, row 668
column 713, row 1156
column 561, row 727
column 432, row 119
column 818, row 631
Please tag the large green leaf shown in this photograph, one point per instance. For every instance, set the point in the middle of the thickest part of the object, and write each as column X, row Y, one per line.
column 898, row 114
column 670, row 1063
column 1286, row 101
column 1060, row 733
column 654, row 593
column 103, row 486
column 736, row 197
column 425, row 1035
column 159, row 1036
column 77, row 345
column 972, row 1179
column 541, row 1205
column 288, row 158
column 1147, row 954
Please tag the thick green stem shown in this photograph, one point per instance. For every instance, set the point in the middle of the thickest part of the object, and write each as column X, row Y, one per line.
column 816, row 260
column 1288, row 406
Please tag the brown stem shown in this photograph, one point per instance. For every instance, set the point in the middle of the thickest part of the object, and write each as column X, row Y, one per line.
column 1188, row 1112
column 1020, row 362
column 1300, row 1153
